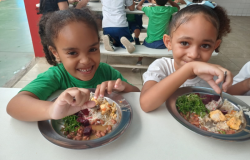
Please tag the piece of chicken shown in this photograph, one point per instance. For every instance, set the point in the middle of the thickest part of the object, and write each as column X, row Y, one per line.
column 234, row 123
column 217, row 116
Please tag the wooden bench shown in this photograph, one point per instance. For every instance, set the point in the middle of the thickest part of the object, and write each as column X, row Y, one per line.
column 140, row 51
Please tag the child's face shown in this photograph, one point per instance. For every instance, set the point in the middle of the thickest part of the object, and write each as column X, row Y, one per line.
column 78, row 49
column 194, row 40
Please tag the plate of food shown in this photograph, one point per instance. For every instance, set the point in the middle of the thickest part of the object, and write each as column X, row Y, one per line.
column 196, row 109
column 90, row 128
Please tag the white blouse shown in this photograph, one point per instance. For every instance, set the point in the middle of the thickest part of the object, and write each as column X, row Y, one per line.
column 163, row 67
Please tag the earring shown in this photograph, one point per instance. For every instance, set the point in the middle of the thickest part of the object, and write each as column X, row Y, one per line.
column 58, row 59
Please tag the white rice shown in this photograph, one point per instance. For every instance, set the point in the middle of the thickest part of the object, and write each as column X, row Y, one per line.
column 95, row 114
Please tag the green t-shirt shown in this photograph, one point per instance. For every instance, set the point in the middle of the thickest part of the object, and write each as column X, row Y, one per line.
column 57, row 78
column 130, row 17
column 159, row 17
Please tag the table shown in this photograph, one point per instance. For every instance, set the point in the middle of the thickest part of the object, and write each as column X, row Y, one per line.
column 155, row 135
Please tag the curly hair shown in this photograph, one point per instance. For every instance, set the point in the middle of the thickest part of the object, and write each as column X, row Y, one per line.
column 217, row 16
column 51, row 24
column 161, row 2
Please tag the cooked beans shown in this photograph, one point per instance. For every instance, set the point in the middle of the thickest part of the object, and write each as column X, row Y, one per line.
column 102, row 133
column 113, row 121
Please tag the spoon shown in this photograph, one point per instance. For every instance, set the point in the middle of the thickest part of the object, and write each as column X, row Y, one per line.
column 222, row 101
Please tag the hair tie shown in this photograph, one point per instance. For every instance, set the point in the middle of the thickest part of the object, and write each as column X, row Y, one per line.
column 204, row 3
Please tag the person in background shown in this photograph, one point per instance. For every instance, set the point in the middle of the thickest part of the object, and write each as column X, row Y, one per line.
column 159, row 17
column 134, row 27
column 55, row 5
column 241, row 82
column 115, row 25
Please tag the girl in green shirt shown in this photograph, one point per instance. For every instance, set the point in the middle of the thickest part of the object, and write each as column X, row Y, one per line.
column 71, row 43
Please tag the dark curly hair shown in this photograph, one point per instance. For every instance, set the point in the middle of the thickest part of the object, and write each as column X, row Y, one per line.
column 51, row 24
column 217, row 16
column 161, row 2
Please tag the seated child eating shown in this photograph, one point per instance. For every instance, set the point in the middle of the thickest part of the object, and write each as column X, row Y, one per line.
column 71, row 43
column 194, row 33
column 159, row 17
column 115, row 25
column 241, row 82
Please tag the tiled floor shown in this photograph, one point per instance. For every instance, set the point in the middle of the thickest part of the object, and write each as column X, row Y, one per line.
column 16, row 49
column 234, row 53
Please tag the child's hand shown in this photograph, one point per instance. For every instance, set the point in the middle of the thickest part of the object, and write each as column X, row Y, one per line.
column 82, row 3
column 73, row 1
column 180, row 1
column 69, row 102
column 117, row 85
column 152, row 1
column 207, row 71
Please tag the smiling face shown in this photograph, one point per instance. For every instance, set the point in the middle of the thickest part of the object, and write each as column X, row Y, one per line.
column 194, row 40
column 77, row 47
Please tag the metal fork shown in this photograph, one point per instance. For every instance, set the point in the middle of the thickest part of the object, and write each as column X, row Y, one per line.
column 222, row 101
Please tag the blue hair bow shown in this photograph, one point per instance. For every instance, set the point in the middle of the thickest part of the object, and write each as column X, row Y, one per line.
column 205, row 3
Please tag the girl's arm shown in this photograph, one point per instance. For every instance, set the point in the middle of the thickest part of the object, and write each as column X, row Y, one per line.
column 26, row 106
column 153, row 94
column 63, row 5
column 240, row 88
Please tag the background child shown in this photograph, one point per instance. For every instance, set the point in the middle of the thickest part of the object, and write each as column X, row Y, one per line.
column 47, row 6
column 159, row 17
column 194, row 33
column 71, row 43
column 115, row 25
column 241, row 82
column 134, row 27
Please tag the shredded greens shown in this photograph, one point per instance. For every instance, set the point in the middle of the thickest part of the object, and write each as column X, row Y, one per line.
column 221, row 132
column 71, row 124
column 191, row 103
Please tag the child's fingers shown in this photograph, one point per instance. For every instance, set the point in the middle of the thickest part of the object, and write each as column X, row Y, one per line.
column 229, row 78
column 83, row 96
column 119, row 85
column 68, row 98
column 220, row 74
column 118, row 82
column 228, row 82
column 214, row 86
column 97, row 91
column 103, row 87
column 88, row 104
column 110, row 86
column 79, row 95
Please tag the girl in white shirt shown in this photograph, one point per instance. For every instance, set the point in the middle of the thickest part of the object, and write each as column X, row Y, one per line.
column 241, row 82
column 194, row 33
